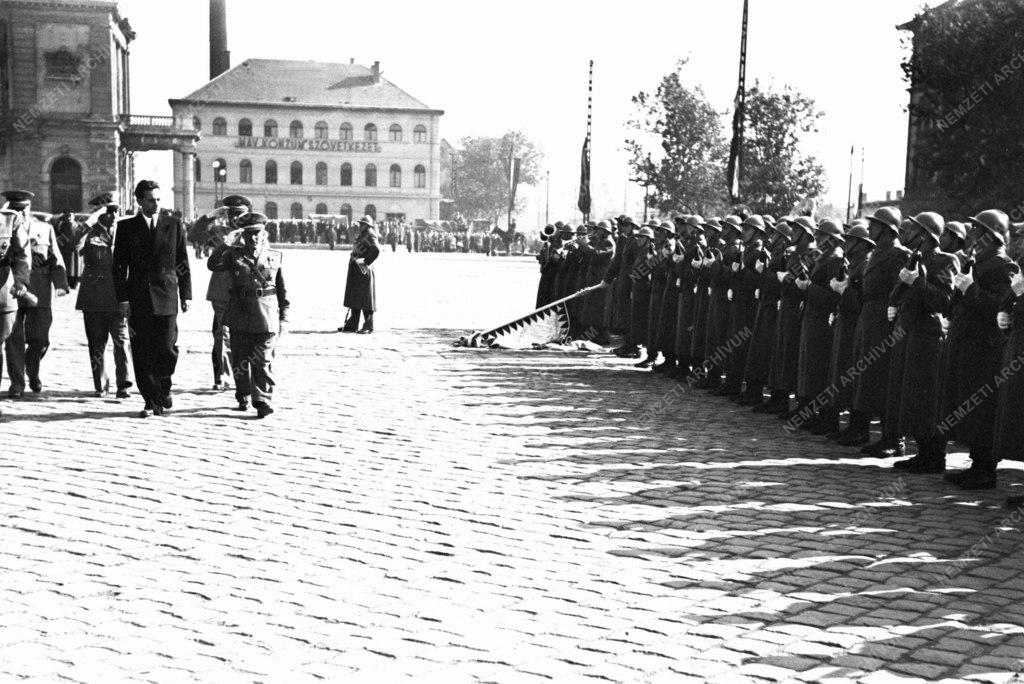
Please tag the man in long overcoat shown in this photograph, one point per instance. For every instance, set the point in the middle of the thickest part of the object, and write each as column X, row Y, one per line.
column 360, row 285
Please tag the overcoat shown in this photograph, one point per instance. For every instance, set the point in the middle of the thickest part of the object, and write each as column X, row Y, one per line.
column 1008, row 439
column 840, row 367
column 820, row 302
column 743, row 314
column 686, row 276
column 598, row 253
column 762, row 342
column 361, row 288
column 786, row 354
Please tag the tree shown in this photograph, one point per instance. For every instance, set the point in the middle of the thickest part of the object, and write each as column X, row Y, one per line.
column 967, row 106
column 775, row 173
column 481, row 173
column 690, row 176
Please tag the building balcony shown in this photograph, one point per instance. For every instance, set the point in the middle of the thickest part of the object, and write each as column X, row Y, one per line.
column 142, row 133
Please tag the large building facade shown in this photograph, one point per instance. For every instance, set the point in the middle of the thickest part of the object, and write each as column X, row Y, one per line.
column 303, row 138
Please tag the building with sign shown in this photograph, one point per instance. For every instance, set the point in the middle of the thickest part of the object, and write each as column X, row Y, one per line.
column 303, row 138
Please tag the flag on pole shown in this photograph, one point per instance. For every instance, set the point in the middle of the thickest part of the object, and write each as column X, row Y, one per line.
column 734, row 168
column 584, row 198
column 513, row 182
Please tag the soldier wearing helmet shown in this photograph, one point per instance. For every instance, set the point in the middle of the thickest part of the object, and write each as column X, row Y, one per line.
column 687, row 268
column 873, row 340
column 757, row 373
column 743, row 309
column 975, row 345
column 598, row 253
column 820, row 302
column 716, row 344
column 664, row 232
column 622, row 286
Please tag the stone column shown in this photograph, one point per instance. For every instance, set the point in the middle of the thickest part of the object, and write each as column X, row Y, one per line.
column 188, row 185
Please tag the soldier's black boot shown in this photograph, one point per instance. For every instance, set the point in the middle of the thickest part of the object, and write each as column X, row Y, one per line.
column 666, row 366
column 777, row 403
column 858, row 432
column 828, row 422
column 795, row 413
column 647, row 361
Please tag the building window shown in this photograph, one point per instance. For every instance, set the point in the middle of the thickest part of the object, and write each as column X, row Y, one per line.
column 395, row 133
column 346, row 174
column 321, row 177
column 346, row 211
column 419, row 134
column 296, row 173
column 371, row 211
column 345, row 132
column 245, row 128
column 270, row 129
column 220, row 126
column 395, row 176
column 320, row 132
column 245, row 171
column 270, row 211
column 198, row 171
column 370, row 132
column 420, row 176
column 321, row 208
column 295, row 129
column 296, row 210
column 270, row 173
column 197, row 124
column 371, row 176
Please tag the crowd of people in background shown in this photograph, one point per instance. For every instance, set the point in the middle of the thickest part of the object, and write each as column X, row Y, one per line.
column 917, row 323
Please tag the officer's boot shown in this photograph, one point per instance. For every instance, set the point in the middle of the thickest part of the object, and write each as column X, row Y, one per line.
column 367, row 323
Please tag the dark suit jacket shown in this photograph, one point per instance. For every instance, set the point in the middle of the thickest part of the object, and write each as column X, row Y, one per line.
column 151, row 267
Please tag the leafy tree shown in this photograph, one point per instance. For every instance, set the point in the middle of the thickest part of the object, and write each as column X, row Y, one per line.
column 481, row 173
column 775, row 173
column 690, row 176
column 968, row 106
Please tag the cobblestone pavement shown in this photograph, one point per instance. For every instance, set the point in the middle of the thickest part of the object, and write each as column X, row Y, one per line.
column 451, row 515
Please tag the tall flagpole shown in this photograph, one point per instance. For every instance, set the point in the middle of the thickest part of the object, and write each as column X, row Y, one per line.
column 736, row 152
column 590, row 110
column 849, row 189
column 584, row 201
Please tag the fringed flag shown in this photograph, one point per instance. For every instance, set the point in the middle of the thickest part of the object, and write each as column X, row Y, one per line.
column 550, row 323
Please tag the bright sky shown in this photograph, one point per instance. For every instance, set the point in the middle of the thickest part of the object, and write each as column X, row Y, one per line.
column 499, row 66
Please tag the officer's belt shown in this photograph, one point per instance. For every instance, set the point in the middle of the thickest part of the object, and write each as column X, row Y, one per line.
column 253, row 291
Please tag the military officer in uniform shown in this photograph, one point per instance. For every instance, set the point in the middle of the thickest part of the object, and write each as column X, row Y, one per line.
column 257, row 310
column 598, row 253
column 743, row 312
column 30, row 338
column 234, row 206
column 757, row 372
column 15, row 269
column 97, row 300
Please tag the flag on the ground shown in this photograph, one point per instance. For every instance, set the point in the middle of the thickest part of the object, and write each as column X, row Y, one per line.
column 584, row 199
column 549, row 323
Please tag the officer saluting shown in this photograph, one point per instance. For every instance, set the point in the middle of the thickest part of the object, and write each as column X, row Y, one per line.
column 257, row 310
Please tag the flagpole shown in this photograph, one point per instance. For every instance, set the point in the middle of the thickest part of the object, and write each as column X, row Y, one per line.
column 849, row 189
column 590, row 110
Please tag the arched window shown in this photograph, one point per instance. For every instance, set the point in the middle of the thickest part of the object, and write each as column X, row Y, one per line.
column 419, row 134
column 320, row 131
column 197, row 124
column 220, row 126
column 420, row 176
column 270, row 129
column 346, row 174
column 296, row 210
column 371, row 176
column 245, row 127
column 345, row 132
column 321, row 208
column 395, row 176
column 270, row 211
column 295, row 129
column 371, row 211
column 395, row 133
column 321, row 175
column 245, row 171
column 296, row 173
column 346, row 211
column 270, row 173
column 198, row 171
column 370, row 132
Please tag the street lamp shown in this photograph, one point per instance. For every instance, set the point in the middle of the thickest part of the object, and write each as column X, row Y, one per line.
column 220, row 176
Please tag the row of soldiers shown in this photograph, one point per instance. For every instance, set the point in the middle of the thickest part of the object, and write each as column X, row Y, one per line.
column 906, row 321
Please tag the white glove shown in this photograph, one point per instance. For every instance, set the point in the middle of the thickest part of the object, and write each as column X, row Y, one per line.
column 677, row 258
column 708, row 261
column 735, row 268
column 696, row 263
column 802, row 283
column 781, row 275
column 1004, row 320
column 759, row 266
column 964, row 281
column 908, row 276
column 679, row 282
column 729, row 295
column 839, row 285
column 757, row 294
column 234, row 238
column 890, row 313
column 1017, row 283
column 360, row 260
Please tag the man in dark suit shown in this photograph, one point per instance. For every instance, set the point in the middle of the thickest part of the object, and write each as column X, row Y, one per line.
column 151, row 272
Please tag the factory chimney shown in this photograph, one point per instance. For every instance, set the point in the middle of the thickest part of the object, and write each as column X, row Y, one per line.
column 220, row 58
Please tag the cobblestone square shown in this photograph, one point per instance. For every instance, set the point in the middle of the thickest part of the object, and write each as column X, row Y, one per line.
column 416, row 510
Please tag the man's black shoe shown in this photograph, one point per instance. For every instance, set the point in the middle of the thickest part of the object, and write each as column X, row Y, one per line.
column 263, row 410
column 921, row 465
column 167, row 402
column 35, row 386
column 957, row 476
column 243, row 405
column 980, row 479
